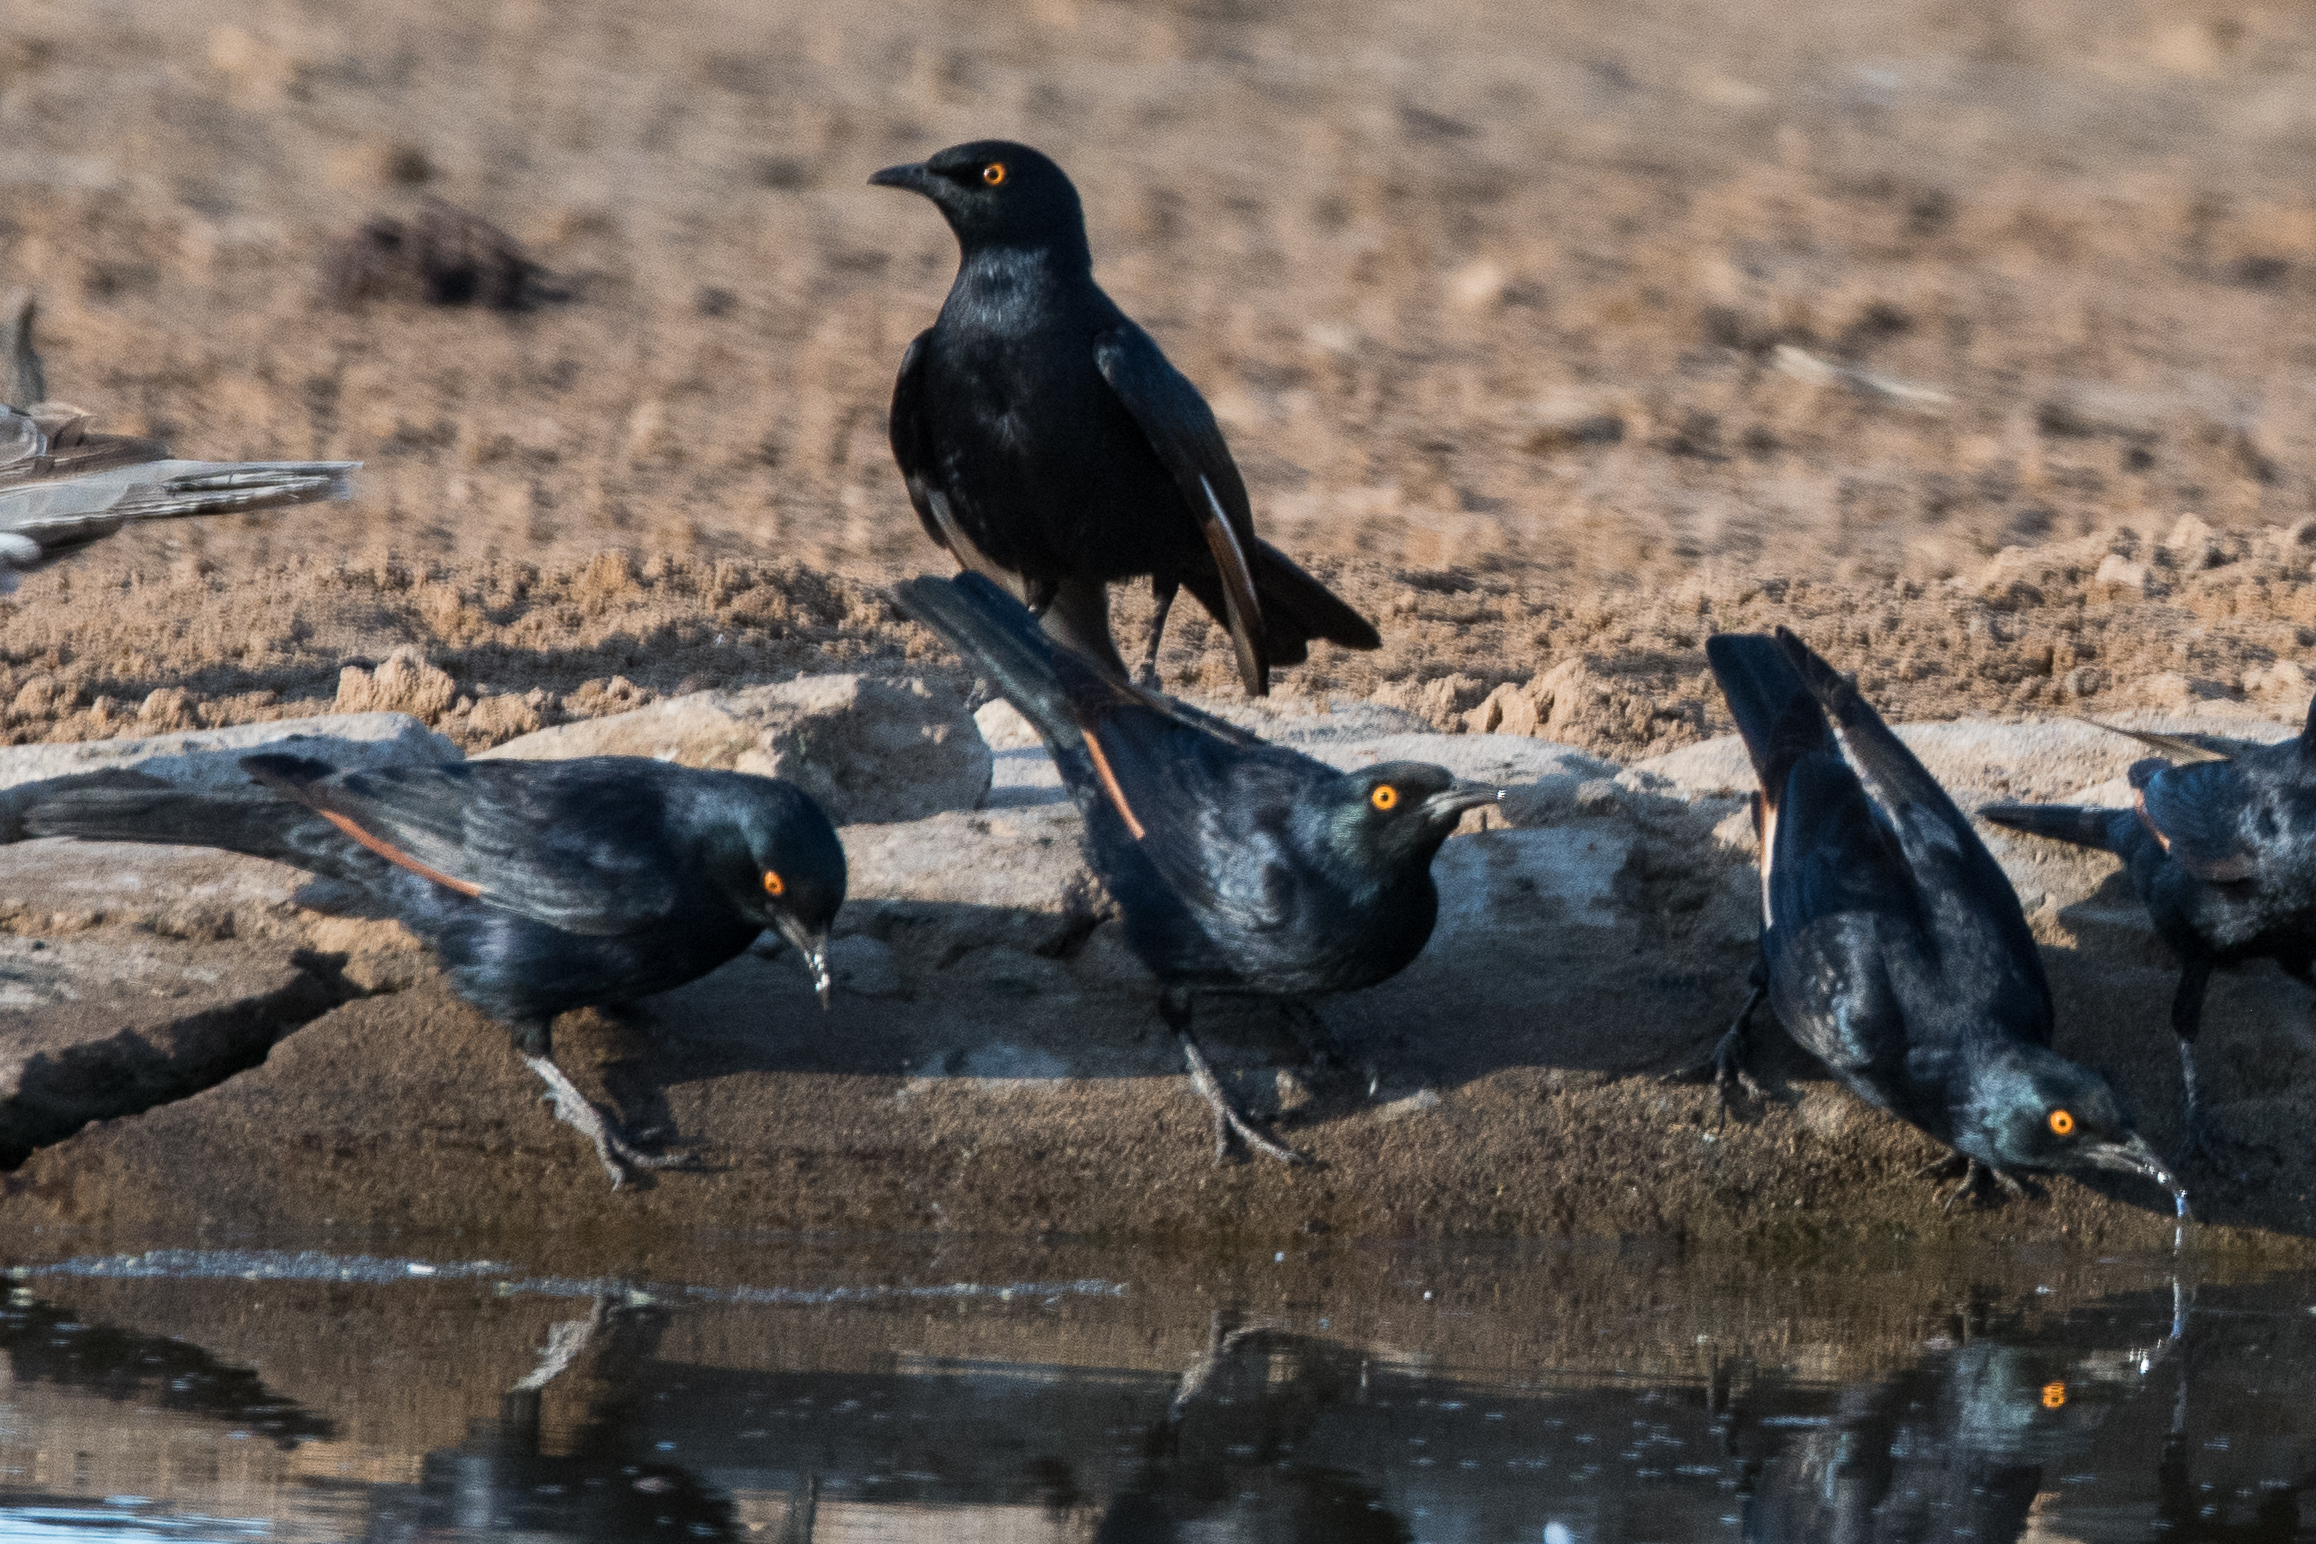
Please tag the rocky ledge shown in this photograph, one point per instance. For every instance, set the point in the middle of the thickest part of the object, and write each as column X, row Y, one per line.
column 197, row 1041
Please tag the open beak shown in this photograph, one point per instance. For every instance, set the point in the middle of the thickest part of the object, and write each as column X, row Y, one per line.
column 814, row 947
column 914, row 177
column 2136, row 1157
column 1449, row 805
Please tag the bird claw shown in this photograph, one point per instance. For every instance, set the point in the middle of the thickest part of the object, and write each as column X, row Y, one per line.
column 1724, row 1069
column 1230, row 1126
column 617, row 1155
column 1974, row 1178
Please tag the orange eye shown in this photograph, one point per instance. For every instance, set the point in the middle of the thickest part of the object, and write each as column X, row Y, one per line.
column 774, row 884
column 2054, row 1395
column 1384, row 797
column 993, row 173
column 2062, row 1123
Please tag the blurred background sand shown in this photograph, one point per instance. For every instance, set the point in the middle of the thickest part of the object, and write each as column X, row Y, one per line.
column 1976, row 340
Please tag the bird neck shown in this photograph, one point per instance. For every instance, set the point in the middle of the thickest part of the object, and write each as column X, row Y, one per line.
column 995, row 277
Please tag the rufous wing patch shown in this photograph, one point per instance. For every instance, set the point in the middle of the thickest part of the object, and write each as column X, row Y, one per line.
column 1109, row 780
column 395, row 855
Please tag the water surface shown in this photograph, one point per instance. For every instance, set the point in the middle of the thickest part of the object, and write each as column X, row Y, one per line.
column 825, row 1392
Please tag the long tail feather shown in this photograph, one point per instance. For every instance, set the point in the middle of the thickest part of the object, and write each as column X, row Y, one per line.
column 997, row 636
column 2183, row 748
column 2080, row 824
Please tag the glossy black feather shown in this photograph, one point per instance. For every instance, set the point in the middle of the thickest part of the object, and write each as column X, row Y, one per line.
column 1236, row 865
column 1894, row 948
column 597, row 880
column 2223, row 854
column 1046, row 434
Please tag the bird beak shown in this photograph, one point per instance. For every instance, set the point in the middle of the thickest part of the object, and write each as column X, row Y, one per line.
column 915, row 177
column 2136, row 1157
column 1450, row 804
column 814, row 947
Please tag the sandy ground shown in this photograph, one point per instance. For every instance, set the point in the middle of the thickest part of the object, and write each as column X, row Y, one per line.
column 1558, row 335
column 1974, row 341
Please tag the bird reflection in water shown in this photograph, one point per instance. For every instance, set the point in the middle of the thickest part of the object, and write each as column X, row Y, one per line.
column 1227, row 1461
column 607, row 1484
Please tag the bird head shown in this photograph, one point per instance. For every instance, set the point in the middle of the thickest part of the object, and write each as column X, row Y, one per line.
column 783, row 867
column 997, row 193
column 2034, row 1109
column 1391, row 817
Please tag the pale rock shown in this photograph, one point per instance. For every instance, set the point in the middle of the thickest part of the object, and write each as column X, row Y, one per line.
column 867, row 750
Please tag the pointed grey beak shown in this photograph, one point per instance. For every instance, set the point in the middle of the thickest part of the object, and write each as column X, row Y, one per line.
column 1451, row 803
column 814, row 947
column 2136, row 1157
column 914, row 177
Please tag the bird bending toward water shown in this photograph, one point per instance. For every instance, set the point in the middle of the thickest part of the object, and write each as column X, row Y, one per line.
column 1892, row 946
column 2222, row 851
column 1237, row 867
column 62, row 487
column 1048, row 444
column 543, row 885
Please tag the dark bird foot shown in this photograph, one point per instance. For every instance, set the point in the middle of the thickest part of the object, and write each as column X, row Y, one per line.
column 1974, row 1179
column 1725, row 1068
column 613, row 1151
column 1146, row 676
column 1230, row 1125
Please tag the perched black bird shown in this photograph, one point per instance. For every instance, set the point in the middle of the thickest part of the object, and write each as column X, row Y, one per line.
column 1237, row 867
column 63, row 486
column 1048, row 444
column 2222, row 850
column 1892, row 946
column 543, row 885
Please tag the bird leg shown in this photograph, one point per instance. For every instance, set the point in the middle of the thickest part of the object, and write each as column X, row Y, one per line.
column 2203, row 1139
column 1726, row 1066
column 574, row 1109
column 1079, row 615
column 1230, row 1125
column 1974, row 1177
column 1163, row 592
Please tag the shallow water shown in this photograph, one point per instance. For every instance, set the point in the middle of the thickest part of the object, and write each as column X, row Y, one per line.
column 828, row 1392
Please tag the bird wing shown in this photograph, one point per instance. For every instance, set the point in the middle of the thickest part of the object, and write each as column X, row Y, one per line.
column 1189, row 796
column 1180, row 427
column 906, row 428
column 1939, row 841
column 562, row 844
column 2193, row 811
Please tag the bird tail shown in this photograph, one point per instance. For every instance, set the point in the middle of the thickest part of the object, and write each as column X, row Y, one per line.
column 1297, row 608
column 2084, row 826
column 1776, row 713
column 133, row 807
column 998, row 637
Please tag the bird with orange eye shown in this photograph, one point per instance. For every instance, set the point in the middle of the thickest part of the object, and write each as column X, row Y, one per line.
column 1238, row 868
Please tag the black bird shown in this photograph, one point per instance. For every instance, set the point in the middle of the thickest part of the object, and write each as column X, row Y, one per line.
column 2223, row 853
column 1237, row 867
column 1048, row 444
column 543, row 885
column 1892, row 945
column 63, row 486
